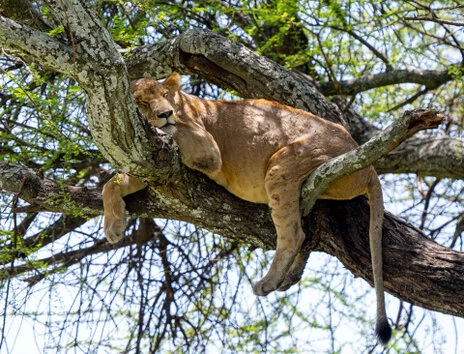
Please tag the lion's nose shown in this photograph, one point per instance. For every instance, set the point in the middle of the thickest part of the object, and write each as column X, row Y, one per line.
column 166, row 114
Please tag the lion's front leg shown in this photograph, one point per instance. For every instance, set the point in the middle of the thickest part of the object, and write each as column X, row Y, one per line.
column 114, row 221
column 199, row 149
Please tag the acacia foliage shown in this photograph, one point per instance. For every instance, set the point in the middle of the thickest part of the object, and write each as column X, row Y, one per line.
column 183, row 287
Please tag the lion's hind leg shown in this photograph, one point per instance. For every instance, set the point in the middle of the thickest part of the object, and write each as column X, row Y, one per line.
column 114, row 221
column 286, row 171
column 296, row 270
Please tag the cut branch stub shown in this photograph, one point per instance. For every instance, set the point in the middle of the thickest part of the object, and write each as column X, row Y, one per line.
column 366, row 154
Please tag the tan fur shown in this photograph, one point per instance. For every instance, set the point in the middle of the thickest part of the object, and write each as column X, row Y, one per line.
column 261, row 151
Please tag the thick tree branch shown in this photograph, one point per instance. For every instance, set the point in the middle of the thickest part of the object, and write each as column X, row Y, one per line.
column 426, row 155
column 88, row 37
column 431, row 79
column 40, row 47
column 416, row 269
column 366, row 154
column 25, row 12
column 48, row 194
column 439, row 156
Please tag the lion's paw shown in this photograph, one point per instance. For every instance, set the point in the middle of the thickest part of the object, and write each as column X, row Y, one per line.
column 114, row 229
column 265, row 286
column 288, row 282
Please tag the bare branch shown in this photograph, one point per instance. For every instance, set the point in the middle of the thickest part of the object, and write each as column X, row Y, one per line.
column 28, row 245
column 62, row 260
column 434, row 19
column 366, row 44
column 410, row 100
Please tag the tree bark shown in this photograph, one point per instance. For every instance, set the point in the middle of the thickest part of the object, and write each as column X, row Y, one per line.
column 439, row 156
column 416, row 269
column 431, row 79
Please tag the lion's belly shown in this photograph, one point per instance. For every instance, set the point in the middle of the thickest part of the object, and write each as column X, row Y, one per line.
column 252, row 193
column 245, row 183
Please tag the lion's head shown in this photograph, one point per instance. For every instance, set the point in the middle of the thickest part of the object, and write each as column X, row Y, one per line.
column 156, row 101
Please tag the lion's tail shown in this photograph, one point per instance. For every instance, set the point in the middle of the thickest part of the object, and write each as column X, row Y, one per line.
column 374, row 193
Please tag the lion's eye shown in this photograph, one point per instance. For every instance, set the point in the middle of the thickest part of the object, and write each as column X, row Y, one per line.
column 165, row 94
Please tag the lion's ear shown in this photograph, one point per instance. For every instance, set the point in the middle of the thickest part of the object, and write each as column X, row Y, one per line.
column 172, row 82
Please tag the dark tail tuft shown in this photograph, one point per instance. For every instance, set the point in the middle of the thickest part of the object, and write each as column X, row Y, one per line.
column 383, row 331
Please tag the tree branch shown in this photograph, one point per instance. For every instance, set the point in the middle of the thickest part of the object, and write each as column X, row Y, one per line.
column 40, row 47
column 24, row 11
column 439, row 156
column 434, row 19
column 28, row 245
column 365, row 43
column 366, row 154
column 429, row 78
column 48, row 194
column 431, row 155
column 61, row 260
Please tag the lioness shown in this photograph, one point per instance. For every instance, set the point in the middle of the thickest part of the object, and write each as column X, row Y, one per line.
column 261, row 151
